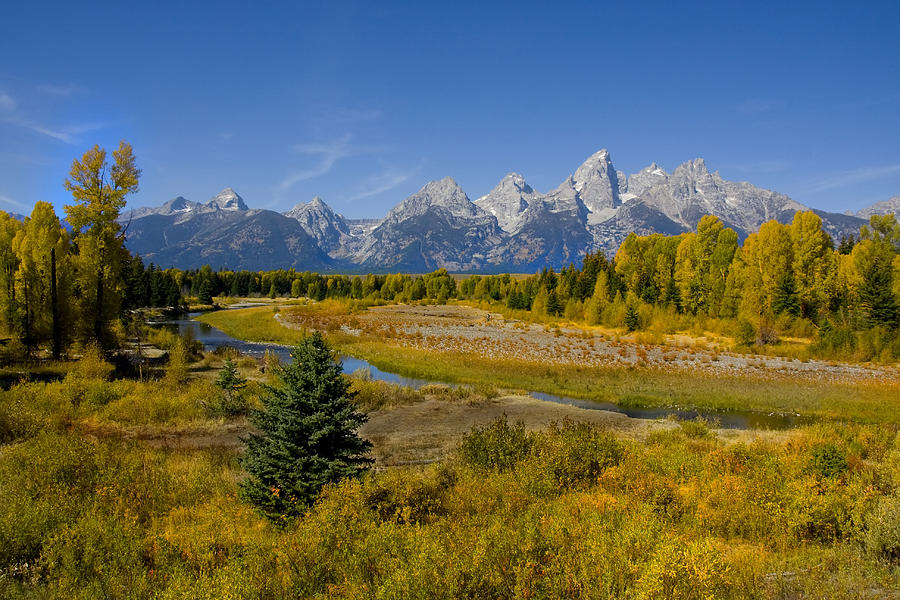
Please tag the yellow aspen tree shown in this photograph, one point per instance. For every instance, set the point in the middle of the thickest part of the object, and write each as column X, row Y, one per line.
column 814, row 266
column 775, row 259
column 99, row 190
column 43, row 278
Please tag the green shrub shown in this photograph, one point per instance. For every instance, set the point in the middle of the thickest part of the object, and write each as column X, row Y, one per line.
column 882, row 536
column 371, row 395
column 177, row 369
column 43, row 482
column 745, row 334
column 685, row 571
column 497, row 446
column 99, row 555
column 486, row 391
column 405, row 498
column 17, row 420
column 828, row 461
column 696, row 429
column 571, row 453
column 91, row 366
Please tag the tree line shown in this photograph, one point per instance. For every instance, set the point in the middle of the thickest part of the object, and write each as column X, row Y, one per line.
column 784, row 270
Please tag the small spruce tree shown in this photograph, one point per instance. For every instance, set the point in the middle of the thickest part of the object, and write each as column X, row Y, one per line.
column 632, row 319
column 877, row 296
column 205, row 294
column 307, row 434
column 785, row 299
column 231, row 382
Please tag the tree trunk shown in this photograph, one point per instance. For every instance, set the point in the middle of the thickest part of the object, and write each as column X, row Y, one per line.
column 98, row 316
column 27, row 337
column 54, row 307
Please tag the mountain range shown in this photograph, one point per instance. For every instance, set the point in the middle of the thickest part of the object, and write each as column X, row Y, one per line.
column 512, row 228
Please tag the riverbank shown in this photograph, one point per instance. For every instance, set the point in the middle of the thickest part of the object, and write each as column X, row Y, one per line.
column 864, row 394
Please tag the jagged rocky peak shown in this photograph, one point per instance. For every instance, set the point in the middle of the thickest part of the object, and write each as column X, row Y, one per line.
column 508, row 200
column 178, row 204
column 654, row 170
column 693, row 177
column 514, row 181
column 693, row 168
column 596, row 182
column 227, row 199
column 445, row 193
column 318, row 220
column 645, row 179
column 315, row 206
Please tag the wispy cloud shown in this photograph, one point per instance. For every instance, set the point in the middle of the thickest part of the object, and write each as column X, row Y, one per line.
column 327, row 156
column 9, row 113
column 11, row 202
column 850, row 177
column 69, row 135
column 381, row 183
column 225, row 136
column 6, row 102
column 68, row 89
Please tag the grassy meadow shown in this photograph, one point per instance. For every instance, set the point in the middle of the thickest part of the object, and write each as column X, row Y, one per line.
column 100, row 497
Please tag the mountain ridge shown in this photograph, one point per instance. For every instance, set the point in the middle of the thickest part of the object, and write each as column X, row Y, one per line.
column 512, row 227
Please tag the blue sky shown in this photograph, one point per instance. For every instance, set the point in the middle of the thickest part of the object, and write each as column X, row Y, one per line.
column 363, row 103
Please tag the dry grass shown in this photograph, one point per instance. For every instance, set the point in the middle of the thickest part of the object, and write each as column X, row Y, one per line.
column 427, row 431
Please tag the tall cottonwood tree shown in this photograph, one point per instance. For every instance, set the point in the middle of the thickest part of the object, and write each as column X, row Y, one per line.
column 702, row 263
column 99, row 189
column 43, row 278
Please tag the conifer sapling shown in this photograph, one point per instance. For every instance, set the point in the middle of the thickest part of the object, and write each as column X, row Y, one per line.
column 231, row 382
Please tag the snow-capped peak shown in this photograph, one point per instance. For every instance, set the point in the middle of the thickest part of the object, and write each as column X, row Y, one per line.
column 227, row 199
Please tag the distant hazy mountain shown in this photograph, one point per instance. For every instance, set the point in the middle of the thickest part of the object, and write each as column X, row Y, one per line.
column 223, row 233
column 886, row 207
column 513, row 227
column 172, row 207
column 226, row 200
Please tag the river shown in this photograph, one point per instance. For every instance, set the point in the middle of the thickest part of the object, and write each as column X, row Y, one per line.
column 212, row 338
